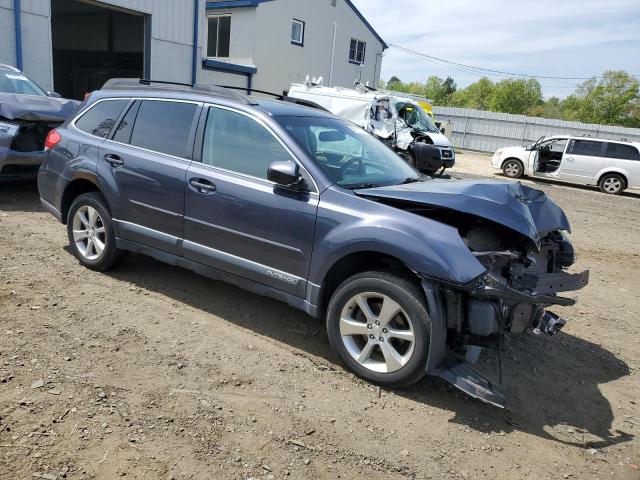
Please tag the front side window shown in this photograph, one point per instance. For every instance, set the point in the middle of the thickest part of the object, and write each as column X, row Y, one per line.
column 218, row 36
column 164, row 126
column 557, row 145
column 585, row 147
column 297, row 32
column 237, row 143
column 622, row 151
column 100, row 119
column 348, row 155
column 357, row 51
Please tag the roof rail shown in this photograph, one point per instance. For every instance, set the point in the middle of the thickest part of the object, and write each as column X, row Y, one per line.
column 284, row 97
column 144, row 83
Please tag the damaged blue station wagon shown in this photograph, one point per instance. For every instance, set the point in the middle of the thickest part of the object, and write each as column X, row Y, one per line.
column 414, row 276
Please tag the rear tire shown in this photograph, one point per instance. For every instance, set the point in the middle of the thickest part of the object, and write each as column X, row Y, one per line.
column 91, row 233
column 612, row 184
column 379, row 326
column 513, row 168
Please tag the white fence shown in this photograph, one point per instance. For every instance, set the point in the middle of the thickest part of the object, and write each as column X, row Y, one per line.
column 488, row 131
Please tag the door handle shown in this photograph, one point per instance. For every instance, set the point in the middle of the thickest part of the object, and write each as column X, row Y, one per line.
column 570, row 159
column 202, row 186
column 114, row 160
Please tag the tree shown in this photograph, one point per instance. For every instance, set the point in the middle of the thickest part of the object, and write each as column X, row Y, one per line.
column 478, row 95
column 516, row 95
column 612, row 100
column 394, row 83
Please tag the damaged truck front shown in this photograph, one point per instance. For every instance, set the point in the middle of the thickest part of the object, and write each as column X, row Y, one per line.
column 516, row 235
column 27, row 115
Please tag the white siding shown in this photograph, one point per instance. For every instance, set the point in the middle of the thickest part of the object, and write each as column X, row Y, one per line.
column 280, row 63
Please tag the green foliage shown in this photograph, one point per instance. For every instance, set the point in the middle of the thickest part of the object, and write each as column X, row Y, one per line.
column 613, row 99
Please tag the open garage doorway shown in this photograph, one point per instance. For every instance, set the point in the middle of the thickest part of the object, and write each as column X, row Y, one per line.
column 93, row 43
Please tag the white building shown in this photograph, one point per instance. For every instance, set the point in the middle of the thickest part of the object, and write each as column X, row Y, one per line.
column 73, row 46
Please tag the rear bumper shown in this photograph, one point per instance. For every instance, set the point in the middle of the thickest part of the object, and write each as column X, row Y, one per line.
column 19, row 165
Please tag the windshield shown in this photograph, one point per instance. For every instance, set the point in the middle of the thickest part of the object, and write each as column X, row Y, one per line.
column 347, row 154
column 15, row 82
column 416, row 117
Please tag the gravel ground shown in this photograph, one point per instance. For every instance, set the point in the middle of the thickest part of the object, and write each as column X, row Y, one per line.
column 150, row 371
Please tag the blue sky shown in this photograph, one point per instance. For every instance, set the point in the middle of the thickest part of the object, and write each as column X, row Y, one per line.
column 566, row 38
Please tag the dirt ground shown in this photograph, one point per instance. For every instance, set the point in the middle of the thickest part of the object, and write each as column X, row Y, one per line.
column 153, row 372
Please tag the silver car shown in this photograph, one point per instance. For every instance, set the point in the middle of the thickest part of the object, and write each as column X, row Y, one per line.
column 612, row 165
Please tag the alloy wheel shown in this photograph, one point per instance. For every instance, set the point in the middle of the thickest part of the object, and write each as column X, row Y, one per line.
column 89, row 233
column 512, row 169
column 612, row 185
column 377, row 332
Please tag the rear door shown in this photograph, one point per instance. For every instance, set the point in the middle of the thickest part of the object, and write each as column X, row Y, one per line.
column 582, row 161
column 144, row 163
column 238, row 221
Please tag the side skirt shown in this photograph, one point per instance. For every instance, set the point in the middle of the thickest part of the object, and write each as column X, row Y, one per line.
column 215, row 274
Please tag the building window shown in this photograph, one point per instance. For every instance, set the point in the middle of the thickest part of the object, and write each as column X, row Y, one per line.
column 218, row 36
column 357, row 51
column 297, row 32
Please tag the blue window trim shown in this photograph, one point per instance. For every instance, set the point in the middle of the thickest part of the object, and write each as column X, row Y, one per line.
column 228, row 67
column 304, row 28
column 235, row 4
column 219, row 66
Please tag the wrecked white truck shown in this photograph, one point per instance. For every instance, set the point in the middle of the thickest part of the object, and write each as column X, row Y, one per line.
column 27, row 114
column 398, row 121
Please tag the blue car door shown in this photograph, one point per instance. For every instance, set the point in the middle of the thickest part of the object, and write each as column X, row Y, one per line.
column 238, row 221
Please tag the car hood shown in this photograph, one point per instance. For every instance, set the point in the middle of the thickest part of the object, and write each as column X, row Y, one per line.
column 36, row 109
column 515, row 151
column 439, row 140
column 526, row 210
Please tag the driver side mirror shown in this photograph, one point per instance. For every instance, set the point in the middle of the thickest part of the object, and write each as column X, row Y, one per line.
column 284, row 173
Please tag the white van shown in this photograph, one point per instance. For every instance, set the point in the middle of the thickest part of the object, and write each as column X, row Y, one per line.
column 612, row 165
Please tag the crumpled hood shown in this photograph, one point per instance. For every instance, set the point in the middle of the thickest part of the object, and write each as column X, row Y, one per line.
column 34, row 108
column 526, row 210
column 439, row 140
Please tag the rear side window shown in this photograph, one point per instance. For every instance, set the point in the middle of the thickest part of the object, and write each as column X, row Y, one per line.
column 164, row 126
column 625, row 152
column 235, row 142
column 100, row 119
column 585, row 147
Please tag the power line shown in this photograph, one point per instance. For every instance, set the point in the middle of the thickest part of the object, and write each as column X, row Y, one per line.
column 480, row 70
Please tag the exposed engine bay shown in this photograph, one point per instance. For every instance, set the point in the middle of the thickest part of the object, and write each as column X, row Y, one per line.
column 518, row 235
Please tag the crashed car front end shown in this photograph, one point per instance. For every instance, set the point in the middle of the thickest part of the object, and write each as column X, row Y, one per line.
column 25, row 121
column 22, row 147
column 518, row 235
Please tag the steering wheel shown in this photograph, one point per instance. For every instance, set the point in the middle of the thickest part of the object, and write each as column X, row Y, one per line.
column 350, row 162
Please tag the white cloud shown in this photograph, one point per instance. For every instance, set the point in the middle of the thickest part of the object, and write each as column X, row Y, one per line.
column 568, row 38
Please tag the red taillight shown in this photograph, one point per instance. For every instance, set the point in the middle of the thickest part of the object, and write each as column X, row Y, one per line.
column 53, row 138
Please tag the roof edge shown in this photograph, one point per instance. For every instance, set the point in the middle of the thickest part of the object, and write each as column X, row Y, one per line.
column 367, row 24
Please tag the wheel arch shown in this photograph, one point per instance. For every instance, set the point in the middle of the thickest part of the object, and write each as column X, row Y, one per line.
column 79, row 185
column 357, row 262
column 608, row 171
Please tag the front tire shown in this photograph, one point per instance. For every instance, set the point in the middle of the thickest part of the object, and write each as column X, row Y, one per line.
column 379, row 326
column 91, row 234
column 513, row 168
column 612, row 184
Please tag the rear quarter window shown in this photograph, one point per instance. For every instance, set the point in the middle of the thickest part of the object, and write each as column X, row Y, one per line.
column 622, row 151
column 100, row 119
